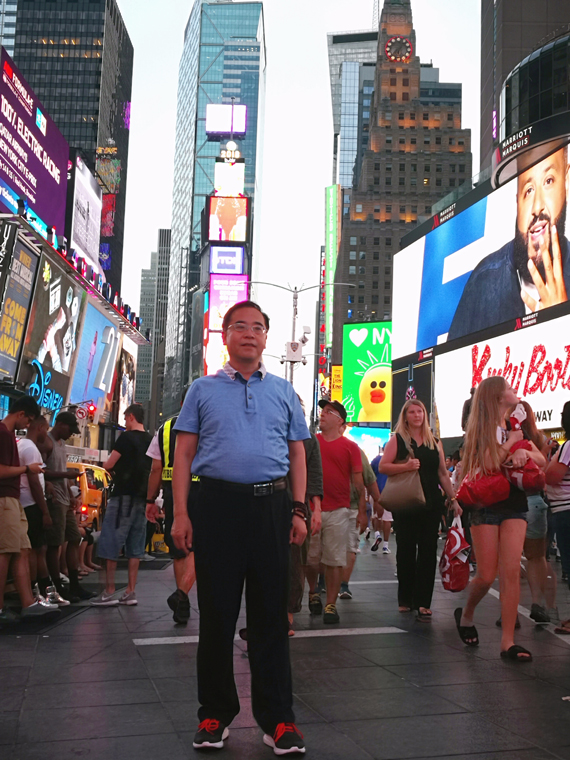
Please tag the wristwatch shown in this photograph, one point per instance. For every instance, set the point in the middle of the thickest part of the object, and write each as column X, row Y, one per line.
column 150, row 501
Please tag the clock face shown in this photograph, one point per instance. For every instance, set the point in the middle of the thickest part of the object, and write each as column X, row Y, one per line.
column 398, row 49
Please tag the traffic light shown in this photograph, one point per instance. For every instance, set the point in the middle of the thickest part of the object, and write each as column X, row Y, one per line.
column 91, row 409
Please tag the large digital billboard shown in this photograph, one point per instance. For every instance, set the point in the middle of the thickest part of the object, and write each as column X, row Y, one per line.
column 227, row 259
column 33, row 154
column 496, row 261
column 97, row 358
column 54, row 327
column 227, row 219
column 85, row 228
column 15, row 304
column 225, row 291
column 226, row 119
column 367, row 371
column 229, row 177
column 535, row 360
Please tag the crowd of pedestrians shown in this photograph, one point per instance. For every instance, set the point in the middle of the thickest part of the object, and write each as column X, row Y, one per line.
column 252, row 501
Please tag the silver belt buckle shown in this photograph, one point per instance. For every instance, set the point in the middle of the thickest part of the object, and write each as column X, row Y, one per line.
column 263, row 489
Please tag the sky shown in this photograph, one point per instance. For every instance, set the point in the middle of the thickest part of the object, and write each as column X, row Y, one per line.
column 298, row 136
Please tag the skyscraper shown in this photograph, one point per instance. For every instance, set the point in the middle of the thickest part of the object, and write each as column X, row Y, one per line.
column 510, row 30
column 8, row 10
column 223, row 60
column 416, row 151
column 78, row 58
column 147, row 311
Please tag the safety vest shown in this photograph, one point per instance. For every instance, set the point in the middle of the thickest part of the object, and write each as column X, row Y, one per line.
column 167, row 443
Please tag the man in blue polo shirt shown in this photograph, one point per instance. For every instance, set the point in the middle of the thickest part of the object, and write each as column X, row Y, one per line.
column 241, row 431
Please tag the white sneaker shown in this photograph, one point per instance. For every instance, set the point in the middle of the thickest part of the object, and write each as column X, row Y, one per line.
column 54, row 597
column 148, row 558
column 386, row 549
column 105, row 600
column 128, row 599
column 37, row 609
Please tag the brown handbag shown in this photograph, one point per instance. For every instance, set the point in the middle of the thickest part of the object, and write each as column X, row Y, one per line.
column 403, row 491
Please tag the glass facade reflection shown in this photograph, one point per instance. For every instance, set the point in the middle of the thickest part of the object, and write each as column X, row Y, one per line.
column 223, row 59
column 8, row 9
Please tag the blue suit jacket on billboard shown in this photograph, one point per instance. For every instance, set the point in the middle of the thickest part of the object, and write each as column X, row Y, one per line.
column 493, row 294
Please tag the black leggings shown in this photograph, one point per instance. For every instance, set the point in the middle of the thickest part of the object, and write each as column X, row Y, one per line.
column 416, row 557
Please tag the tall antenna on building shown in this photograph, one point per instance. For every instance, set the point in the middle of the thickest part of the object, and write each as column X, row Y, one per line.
column 376, row 14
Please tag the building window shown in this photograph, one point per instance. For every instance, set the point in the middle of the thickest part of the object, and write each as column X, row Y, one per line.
column 427, row 209
column 402, row 209
column 388, row 180
column 388, row 209
column 426, row 140
column 377, row 240
column 438, row 140
column 426, row 181
column 392, row 96
column 402, row 141
column 438, row 182
column 449, row 117
column 350, row 299
column 392, row 81
column 452, row 141
column 426, row 117
column 402, row 181
column 351, row 270
column 360, row 299
column 388, row 241
column 376, row 180
column 438, row 168
column 375, row 270
column 402, row 167
column 387, row 284
column 352, row 255
column 376, row 211
column 376, row 256
column 461, row 142
column 361, row 284
column 388, row 271
column 452, row 167
column 388, row 167
column 414, row 181
column 362, row 255
column 452, row 182
column 375, row 285
column 388, row 141
column 413, row 140
column 413, row 116
column 376, row 167
column 374, row 300
column 401, row 116
column 406, row 82
column 363, row 240
column 461, row 168
column 405, row 97
column 387, row 300
column 414, row 209
column 352, row 241
column 359, row 208
column 427, row 168
column 361, row 270
column 349, row 314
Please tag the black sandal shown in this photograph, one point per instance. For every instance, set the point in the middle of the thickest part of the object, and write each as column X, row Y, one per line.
column 467, row 633
column 425, row 616
column 513, row 654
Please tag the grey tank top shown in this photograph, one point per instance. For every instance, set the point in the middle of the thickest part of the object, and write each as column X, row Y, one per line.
column 57, row 462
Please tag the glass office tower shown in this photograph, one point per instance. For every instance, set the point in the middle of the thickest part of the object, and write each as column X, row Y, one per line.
column 78, row 58
column 223, row 59
column 8, row 10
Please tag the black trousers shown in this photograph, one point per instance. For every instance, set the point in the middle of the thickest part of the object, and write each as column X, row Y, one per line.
column 416, row 556
column 242, row 539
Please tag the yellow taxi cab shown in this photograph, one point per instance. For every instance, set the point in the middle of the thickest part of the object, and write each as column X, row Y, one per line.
column 93, row 486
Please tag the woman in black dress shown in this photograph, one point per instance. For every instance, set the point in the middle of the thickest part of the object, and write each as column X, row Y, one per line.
column 414, row 447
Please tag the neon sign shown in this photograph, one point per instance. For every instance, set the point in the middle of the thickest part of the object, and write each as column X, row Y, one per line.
column 46, row 397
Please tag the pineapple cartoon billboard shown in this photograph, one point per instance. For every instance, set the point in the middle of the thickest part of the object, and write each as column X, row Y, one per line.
column 367, row 371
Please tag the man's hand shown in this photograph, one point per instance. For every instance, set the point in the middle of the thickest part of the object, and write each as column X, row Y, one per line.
column 71, row 474
column 378, row 509
column 316, row 522
column 298, row 531
column 152, row 512
column 36, row 468
column 182, row 533
column 553, row 291
column 362, row 521
column 47, row 522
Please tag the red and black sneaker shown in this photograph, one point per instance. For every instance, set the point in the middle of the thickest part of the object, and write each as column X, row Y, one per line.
column 286, row 740
column 211, row 734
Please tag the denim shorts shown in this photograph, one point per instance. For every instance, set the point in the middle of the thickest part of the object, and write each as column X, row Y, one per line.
column 124, row 526
column 490, row 516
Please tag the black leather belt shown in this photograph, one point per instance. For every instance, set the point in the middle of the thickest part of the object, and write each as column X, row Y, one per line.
column 253, row 489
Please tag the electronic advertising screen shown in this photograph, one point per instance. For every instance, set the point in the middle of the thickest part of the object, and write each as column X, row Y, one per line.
column 501, row 258
column 86, row 218
column 126, row 375
column 226, row 119
column 225, row 291
column 197, row 335
column 367, row 371
column 229, row 178
column 412, row 382
column 535, row 360
column 97, row 358
column 53, row 330
column 228, row 219
column 215, row 353
column 33, row 154
column 15, row 305
column 227, row 259
column 369, row 439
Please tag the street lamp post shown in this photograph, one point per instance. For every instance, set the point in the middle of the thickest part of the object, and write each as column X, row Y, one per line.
column 295, row 291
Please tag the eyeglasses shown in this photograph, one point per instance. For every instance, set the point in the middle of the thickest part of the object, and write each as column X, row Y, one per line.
column 241, row 327
column 331, row 411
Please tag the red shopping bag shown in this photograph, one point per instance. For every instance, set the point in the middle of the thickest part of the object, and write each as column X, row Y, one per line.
column 483, row 490
column 454, row 562
column 530, row 478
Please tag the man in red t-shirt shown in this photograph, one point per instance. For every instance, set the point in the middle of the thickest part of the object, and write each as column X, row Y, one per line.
column 342, row 465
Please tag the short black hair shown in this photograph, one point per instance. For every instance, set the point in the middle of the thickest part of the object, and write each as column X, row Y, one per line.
column 566, row 418
column 243, row 305
column 25, row 404
column 137, row 411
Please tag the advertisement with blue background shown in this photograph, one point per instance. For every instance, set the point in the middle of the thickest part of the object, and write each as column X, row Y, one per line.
column 96, row 359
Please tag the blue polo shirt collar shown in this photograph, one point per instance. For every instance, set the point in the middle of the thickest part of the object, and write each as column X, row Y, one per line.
column 231, row 372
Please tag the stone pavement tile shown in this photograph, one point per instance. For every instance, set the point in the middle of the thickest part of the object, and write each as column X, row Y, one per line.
column 304, row 646
column 344, row 679
column 555, row 670
column 543, row 730
column 563, row 753
column 80, row 723
column 412, row 655
column 302, row 662
column 517, row 754
column 182, row 668
column 160, row 745
column 8, row 728
column 373, row 704
column 12, row 658
column 430, row 736
column 178, row 689
column 16, row 644
column 468, row 671
column 89, row 694
column 49, row 673
column 16, row 676
column 323, row 743
column 372, row 640
column 476, row 697
column 11, row 697
column 167, row 652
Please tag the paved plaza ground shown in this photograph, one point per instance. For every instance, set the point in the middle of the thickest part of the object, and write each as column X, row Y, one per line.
column 121, row 683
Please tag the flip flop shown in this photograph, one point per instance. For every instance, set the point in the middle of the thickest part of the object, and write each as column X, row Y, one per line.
column 402, row 608
column 513, row 654
column 425, row 617
column 466, row 632
column 563, row 629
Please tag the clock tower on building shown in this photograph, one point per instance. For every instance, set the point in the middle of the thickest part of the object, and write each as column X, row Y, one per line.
column 415, row 153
